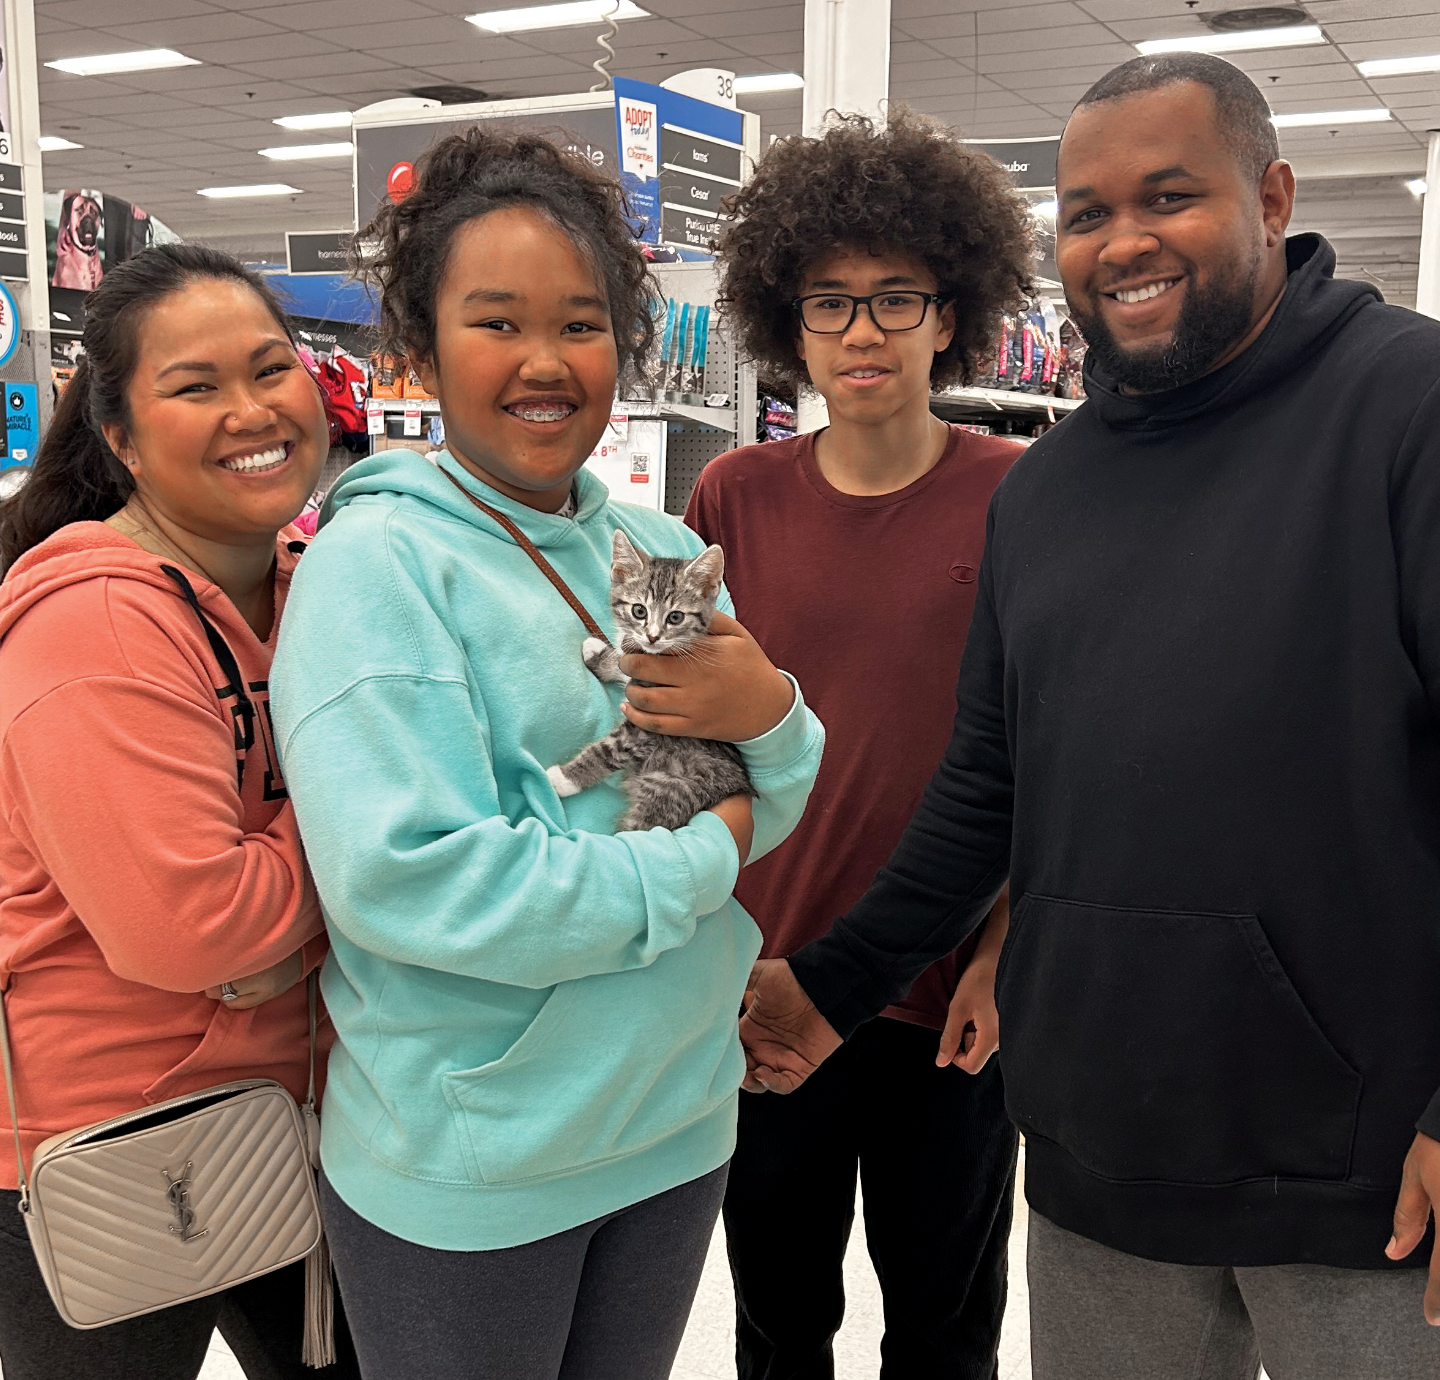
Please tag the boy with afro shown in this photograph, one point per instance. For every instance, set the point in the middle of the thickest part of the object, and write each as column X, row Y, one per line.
column 872, row 265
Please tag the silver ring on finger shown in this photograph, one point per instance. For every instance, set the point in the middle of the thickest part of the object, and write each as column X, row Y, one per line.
column 228, row 992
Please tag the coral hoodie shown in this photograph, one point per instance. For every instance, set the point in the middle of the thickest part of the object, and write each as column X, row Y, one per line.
column 148, row 848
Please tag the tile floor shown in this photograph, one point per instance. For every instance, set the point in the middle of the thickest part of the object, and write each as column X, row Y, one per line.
column 708, row 1351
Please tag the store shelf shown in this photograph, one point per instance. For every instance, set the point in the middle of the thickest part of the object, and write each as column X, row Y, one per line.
column 722, row 418
column 1003, row 400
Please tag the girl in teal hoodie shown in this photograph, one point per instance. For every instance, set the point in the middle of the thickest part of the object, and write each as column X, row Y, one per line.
column 533, row 1098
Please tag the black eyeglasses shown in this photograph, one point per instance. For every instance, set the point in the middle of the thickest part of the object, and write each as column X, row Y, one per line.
column 833, row 313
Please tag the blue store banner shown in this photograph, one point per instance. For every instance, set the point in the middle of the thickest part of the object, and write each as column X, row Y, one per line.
column 679, row 159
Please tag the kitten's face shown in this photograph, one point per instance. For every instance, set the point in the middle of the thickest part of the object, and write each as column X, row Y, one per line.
column 662, row 603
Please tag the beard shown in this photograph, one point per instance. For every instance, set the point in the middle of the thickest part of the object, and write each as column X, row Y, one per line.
column 1211, row 320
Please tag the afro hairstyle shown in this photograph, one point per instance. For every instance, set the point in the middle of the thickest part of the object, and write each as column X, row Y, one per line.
column 913, row 187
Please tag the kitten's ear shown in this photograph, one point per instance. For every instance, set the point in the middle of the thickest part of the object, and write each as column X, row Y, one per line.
column 705, row 572
column 626, row 562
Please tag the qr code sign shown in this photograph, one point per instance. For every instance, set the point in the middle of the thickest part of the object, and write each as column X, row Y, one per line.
column 639, row 468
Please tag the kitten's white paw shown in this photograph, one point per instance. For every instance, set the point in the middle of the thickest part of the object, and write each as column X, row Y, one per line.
column 592, row 648
column 563, row 784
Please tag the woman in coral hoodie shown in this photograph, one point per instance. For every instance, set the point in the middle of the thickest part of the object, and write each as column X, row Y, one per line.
column 156, row 916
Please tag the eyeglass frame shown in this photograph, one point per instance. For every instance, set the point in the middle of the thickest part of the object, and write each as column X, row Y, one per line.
column 937, row 298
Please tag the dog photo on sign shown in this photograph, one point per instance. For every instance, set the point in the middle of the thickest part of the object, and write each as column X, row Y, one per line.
column 79, row 241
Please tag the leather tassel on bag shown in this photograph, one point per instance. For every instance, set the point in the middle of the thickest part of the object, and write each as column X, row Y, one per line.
column 318, row 1348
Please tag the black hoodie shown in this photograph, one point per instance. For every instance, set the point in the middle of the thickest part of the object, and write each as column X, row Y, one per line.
column 1199, row 729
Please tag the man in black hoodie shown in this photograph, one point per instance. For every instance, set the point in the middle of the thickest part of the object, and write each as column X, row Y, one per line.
column 1199, row 729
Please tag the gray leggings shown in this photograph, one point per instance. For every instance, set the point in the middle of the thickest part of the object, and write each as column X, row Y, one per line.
column 1096, row 1314
column 604, row 1301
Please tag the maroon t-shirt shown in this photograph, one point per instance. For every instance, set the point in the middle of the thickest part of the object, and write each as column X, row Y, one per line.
column 866, row 602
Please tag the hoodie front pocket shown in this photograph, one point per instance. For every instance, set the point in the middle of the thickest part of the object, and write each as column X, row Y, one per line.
column 611, row 1064
column 1168, row 1046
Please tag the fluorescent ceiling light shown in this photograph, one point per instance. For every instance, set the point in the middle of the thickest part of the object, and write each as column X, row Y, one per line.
column 1331, row 117
column 768, row 81
column 334, row 119
column 565, row 16
column 1292, row 36
column 1399, row 67
column 257, row 189
column 293, row 151
column 1416, row 187
column 101, row 64
column 53, row 143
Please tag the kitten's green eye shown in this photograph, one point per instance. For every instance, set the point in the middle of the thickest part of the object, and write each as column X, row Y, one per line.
column 637, row 611
column 675, row 619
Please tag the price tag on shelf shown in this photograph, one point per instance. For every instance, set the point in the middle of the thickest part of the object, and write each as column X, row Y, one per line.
column 374, row 417
column 412, row 418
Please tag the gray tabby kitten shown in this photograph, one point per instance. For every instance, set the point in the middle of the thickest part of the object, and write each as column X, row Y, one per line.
column 662, row 604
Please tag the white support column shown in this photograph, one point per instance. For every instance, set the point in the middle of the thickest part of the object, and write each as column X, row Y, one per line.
column 1427, row 292
column 847, row 69
column 847, row 59
column 33, row 298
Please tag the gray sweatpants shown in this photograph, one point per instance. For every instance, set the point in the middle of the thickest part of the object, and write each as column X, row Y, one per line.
column 604, row 1301
column 1097, row 1314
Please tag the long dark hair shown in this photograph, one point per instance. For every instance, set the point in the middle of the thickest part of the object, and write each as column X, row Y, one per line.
column 76, row 476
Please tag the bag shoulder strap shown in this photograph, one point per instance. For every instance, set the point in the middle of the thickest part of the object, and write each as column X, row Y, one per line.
column 10, row 1094
column 531, row 550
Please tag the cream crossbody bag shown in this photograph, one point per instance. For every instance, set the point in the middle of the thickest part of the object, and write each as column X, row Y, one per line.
column 179, row 1200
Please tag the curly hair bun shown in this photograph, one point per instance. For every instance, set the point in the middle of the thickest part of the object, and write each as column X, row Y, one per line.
column 913, row 187
column 478, row 170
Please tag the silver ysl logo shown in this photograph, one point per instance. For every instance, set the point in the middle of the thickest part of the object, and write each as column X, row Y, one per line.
column 179, row 1195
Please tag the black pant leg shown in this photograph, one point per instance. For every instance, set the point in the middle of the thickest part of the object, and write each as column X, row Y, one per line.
column 35, row 1344
column 937, row 1174
column 788, row 1212
column 263, row 1322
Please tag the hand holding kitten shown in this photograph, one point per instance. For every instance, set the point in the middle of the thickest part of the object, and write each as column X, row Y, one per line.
column 728, row 691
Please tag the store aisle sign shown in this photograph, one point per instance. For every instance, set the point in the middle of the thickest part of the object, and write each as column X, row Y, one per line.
column 14, row 261
column 385, row 155
column 318, row 251
column 692, row 162
column 1030, row 162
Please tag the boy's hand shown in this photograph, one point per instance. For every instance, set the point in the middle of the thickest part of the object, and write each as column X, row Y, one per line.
column 785, row 1038
column 1419, row 1198
column 723, row 688
column 972, row 1025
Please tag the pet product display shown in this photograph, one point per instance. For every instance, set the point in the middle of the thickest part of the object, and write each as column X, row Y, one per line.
column 777, row 420
column 387, row 379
